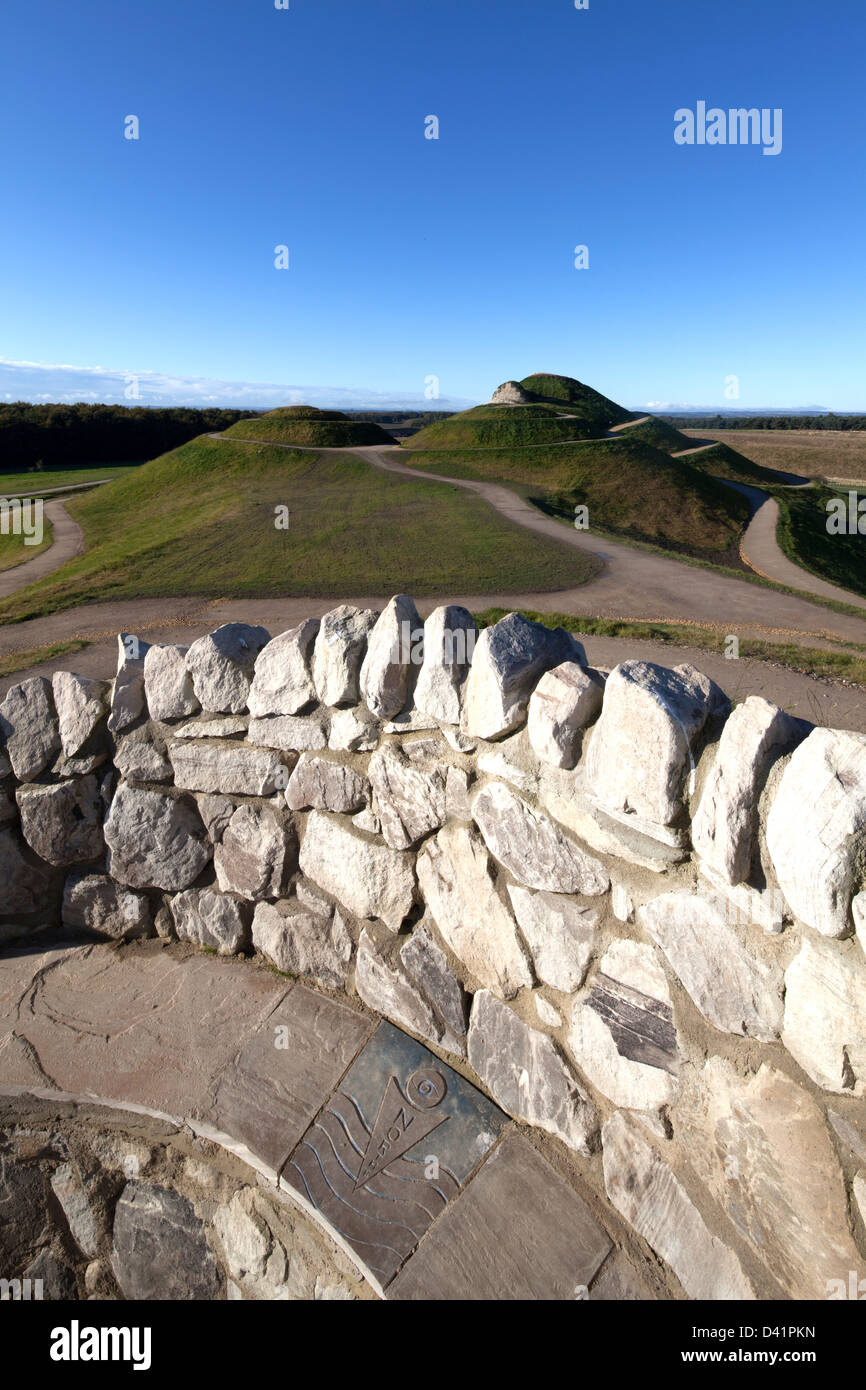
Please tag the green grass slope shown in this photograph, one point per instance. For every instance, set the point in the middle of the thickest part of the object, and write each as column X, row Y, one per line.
column 723, row 462
column 35, row 482
column 802, row 534
column 660, row 435
column 14, row 551
column 592, row 405
column 200, row 520
column 308, row 427
column 631, row 489
column 495, row 426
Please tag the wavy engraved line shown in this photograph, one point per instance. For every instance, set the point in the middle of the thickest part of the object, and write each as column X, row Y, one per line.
column 361, row 1116
column 365, row 1215
column 384, row 1196
column 337, row 1116
column 383, row 1254
column 390, row 1171
column 442, row 1168
column 427, row 1181
column 310, row 1196
column 353, row 1240
column 346, row 1095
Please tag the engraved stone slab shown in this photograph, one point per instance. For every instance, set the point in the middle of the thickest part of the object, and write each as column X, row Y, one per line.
column 395, row 1144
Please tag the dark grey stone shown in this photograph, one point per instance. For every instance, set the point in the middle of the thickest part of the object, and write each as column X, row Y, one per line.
column 424, row 958
column 159, row 1249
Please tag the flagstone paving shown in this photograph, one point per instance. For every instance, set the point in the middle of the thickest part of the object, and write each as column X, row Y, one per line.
column 416, row 1172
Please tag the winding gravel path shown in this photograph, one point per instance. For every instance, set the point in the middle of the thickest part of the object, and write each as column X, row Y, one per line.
column 68, row 541
column 644, row 585
column 762, row 552
column 633, row 584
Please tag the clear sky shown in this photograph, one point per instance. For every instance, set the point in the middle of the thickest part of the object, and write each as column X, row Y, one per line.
column 412, row 257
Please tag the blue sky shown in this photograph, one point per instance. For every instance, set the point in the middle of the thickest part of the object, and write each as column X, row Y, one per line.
column 412, row 258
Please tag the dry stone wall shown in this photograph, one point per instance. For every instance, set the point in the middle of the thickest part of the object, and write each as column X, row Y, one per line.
column 634, row 915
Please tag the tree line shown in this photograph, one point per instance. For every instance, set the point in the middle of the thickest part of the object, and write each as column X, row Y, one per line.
column 57, row 436
column 767, row 422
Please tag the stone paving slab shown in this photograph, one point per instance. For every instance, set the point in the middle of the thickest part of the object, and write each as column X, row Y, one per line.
column 141, row 1025
column 518, row 1231
column 394, row 1145
column 268, row 1094
column 412, row 1167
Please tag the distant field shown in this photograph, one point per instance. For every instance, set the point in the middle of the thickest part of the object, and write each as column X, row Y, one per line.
column 200, row 520
column 13, row 551
column 814, row 453
column 33, row 484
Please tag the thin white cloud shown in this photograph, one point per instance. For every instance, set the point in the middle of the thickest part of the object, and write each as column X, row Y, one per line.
column 65, row 383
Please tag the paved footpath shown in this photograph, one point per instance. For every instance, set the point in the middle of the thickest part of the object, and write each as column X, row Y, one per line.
column 160, row 1029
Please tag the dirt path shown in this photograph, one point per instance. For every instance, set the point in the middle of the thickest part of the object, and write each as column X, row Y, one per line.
column 634, row 584
column 762, row 552
column 68, row 541
column 628, row 425
column 65, row 487
column 183, row 620
column 651, row 587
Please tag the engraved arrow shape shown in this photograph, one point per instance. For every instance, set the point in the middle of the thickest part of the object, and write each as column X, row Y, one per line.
column 398, row 1127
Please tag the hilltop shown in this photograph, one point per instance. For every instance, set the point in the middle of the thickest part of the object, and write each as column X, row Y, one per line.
column 568, row 445
column 310, row 428
column 487, row 426
column 541, row 409
column 565, row 390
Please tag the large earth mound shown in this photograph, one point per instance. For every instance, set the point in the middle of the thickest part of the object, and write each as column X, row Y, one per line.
column 308, row 427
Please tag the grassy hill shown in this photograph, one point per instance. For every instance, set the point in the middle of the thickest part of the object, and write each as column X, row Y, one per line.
column 13, row 550
column 802, row 533
column 200, row 520
column 601, row 412
column 724, row 462
column 659, row 434
column 631, row 489
column 308, row 427
column 494, row 426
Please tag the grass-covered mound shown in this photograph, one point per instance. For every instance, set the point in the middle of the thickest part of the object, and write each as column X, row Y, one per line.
column 601, row 412
column 309, row 428
column 631, row 489
column 494, row 426
column 660, row 435
column 845, row 666
column 724, row 462
column 201, row 520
